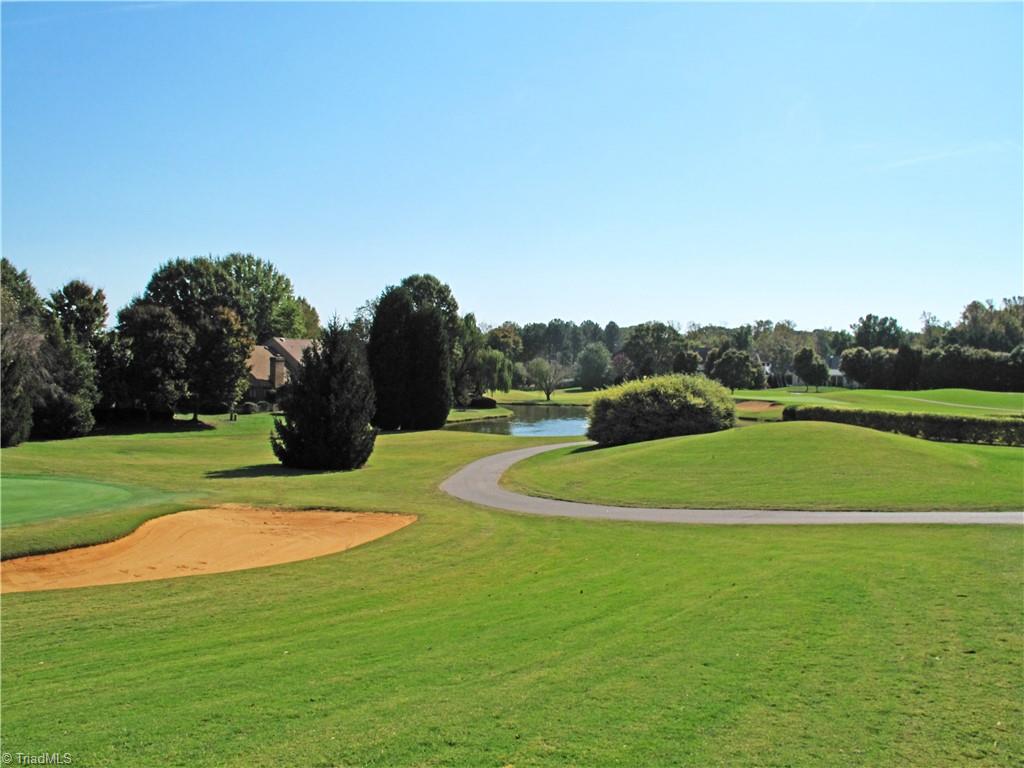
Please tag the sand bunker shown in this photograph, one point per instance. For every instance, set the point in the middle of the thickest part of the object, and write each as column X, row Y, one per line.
column 755, row 405
column 227, row 538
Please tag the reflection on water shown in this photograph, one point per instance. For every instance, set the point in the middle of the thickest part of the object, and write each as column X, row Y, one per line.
column 533, row 421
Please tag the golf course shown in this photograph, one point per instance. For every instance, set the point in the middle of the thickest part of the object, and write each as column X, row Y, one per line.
column 473, row 636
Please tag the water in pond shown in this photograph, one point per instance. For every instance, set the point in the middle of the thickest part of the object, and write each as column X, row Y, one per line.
column 533, row 421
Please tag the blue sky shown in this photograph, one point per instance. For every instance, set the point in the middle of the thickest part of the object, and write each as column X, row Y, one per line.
column 687, row 162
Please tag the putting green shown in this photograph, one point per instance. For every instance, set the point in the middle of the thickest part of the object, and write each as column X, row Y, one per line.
column 31, row 499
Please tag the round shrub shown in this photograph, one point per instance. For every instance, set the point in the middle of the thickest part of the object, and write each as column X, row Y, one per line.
column 483, row 402
column 248, row 407
column 662, row 406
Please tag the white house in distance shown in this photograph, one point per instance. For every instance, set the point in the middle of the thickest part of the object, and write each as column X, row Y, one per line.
column 273, row 364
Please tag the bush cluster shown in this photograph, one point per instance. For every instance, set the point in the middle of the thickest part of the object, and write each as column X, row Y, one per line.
column 662, row 406
column 951, row 366
column 481, row 401
column 930, row 426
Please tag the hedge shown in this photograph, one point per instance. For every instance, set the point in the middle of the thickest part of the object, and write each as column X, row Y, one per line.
column 930, row 426
column 662, row 406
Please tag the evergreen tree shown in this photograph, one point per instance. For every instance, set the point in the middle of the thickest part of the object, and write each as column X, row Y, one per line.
column 155, row 348
column 68, row 393
column 328, row 406
column 19, row 344
column 429, row 397
column 388, row 355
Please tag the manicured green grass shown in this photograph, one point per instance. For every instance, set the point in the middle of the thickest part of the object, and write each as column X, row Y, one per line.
column 572, row 396
column 475, row 637
column 792, row 465
column 964, row 402
column 28, row 499
column 477, row 414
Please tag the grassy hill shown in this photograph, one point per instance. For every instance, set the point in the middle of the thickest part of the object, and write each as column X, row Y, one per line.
column 793, row 465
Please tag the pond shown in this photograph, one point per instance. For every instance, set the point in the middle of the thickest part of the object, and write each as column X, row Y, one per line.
column 533, row 421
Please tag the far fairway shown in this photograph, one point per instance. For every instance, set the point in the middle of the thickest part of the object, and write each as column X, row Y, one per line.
column 792, row 465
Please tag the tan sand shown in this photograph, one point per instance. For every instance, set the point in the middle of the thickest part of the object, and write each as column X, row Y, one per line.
column 226, row 538
column 755, row 405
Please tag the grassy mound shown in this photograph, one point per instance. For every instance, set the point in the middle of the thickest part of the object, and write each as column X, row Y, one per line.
column 792, row 465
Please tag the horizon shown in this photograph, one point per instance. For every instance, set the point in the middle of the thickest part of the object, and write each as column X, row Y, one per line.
column 698, row 164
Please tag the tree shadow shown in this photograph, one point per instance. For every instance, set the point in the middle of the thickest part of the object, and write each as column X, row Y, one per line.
column 262, row 470
column 142, row 427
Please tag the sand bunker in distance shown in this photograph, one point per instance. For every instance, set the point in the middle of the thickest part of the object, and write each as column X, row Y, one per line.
column 226, row 538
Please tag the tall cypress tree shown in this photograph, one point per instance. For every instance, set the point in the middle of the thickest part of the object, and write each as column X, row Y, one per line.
column 388, row 353
column 430, row 394
column 327, row 408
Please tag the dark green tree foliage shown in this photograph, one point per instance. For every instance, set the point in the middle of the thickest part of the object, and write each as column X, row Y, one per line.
column 685, row 361
column 328, row 406
column 465, row 363
column 494, row 371
column 20, row 340
column 219, row 374
column 532, row 336
column 592, row 366
column 409, row 359
column 19, row 288
column 81, row 311
column 266, row 296
column 652, row 347
column 387, row 351
column 984, row 326
column 68, row 393
column 613, row 337
column 736, row 370
column 856, row 363
column 810, row 368
column 193, row 289
column 310, row 319
column 873, row 331
column 507, row 340
column 662, row 406
column 590, row 332
column 154, row 350
column 430, row 397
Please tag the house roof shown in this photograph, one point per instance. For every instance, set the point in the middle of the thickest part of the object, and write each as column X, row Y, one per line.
column 290, row 349
column 259, row 363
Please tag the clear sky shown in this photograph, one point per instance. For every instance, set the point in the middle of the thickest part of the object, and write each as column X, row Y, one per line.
column 687, row 162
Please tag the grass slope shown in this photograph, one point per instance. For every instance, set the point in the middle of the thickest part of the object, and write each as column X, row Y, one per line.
column 793, row 465
column 28, row 499
column 572, row 396
column 457, row 415
column 479, row 638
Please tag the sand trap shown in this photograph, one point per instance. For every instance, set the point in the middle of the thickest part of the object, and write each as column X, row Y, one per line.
column 226, row 538
column 755, row 405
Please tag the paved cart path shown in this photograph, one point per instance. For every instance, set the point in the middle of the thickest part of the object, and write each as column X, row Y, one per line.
column 479, row 483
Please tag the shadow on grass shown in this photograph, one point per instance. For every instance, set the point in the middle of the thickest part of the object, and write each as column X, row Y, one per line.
column 262, row 470
column 150, row 427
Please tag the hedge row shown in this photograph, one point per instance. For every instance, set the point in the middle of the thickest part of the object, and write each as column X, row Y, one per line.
column 930, row 426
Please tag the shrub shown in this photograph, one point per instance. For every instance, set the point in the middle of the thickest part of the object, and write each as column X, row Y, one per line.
column 930, row 426
column 263, row 406
column 592, row 365
column 248, row 407
column 663, row 406
column 483, row 402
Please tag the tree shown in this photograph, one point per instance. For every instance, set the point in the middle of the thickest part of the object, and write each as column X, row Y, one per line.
column 735, row 369
column 19, row 364
column 776, row 348
column 613, row 337
column 81, row 311
column 591, row 332
column 193, row 289
column 840, row 341
column 532, row 335
column 387, row 351
column 856, row 363
column 465, row 373
column 67, row 394
column 18, row 288
column 652, row 347
column 310, row 318
column 873, row 331
column 219, row 372
column 494, row 371
column 506, row 339
column 685, row 361
column 810, row 368
column 156, row 352
column 430, row 394
column 592, row 365
column 984, row 326
column 408, row 357
column 266, row 296
column 328, row 406
column 621, row 368
column 545, row 375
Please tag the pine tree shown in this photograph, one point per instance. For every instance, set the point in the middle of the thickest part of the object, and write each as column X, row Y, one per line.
column 429, row 393
column 388, row 353
column 328, row 406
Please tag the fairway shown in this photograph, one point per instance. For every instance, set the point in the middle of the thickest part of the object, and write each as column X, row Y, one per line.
column 477, row 637
column 961, row 402
column 28, row 499
column 791, row 465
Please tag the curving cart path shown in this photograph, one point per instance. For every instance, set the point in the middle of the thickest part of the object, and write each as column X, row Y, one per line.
column 479, row 483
